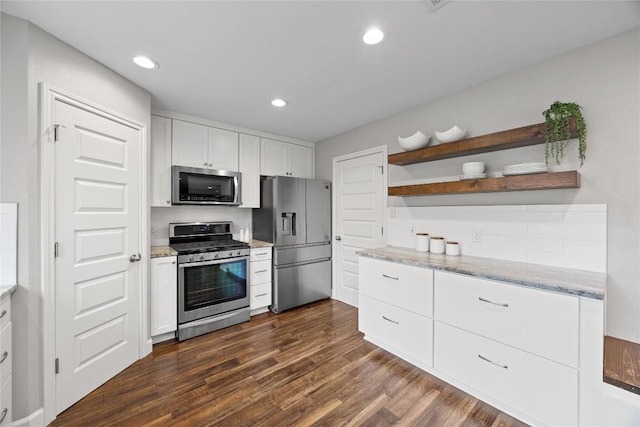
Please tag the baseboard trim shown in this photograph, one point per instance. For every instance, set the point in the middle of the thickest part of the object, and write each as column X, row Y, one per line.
column 34, row 420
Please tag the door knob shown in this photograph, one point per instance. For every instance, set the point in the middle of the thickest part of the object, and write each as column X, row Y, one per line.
column 338, row 237
column 135, row 258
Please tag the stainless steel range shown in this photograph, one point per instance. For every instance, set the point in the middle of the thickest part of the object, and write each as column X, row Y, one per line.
column 213, row 277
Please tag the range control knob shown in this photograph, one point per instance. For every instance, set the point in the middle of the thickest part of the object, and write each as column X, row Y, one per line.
column 201, row 257
column 230, row 253
column 238, row 253
column 216, row 255
column 191, row 259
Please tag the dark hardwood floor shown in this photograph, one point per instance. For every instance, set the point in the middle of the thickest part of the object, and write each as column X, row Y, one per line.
column 308, row 366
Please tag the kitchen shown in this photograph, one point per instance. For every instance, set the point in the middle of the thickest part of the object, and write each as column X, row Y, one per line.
column 600, row 74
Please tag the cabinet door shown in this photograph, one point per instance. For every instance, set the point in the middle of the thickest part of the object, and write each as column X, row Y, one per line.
column 160, row 161
column 250, row 169
column 300, row 161
column 223, row 149
column 190, row 144
column 274, row 156
column 164, row 295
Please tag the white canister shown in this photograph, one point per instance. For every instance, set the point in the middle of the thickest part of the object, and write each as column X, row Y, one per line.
column 422, row 242
column 243, row 235
column 453, row 248
column 437, row 245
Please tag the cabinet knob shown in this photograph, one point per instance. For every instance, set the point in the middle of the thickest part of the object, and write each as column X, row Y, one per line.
column 206, row 164
column 168, row 202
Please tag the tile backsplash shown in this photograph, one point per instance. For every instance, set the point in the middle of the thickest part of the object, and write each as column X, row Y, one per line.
column 572, row 236
column 8, row 243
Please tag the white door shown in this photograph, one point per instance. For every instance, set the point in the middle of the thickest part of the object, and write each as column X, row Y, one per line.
column 97, row 184
column 301, row 161
column 160, row 161
column 164, row 295
column 249, row 162
column 360, row 196
column 273, row 160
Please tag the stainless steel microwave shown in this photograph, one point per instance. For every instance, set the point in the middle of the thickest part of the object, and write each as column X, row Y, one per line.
column 198, row 186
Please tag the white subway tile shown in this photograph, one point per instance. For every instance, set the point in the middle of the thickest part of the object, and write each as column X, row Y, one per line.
column 585, row 218
column 567, row 208
column 544, row 245
column 567, row 232
column 544, row 217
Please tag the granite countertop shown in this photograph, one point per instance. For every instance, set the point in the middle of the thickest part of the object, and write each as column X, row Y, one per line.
column 161, row 251
column 7, row 289
column 259, row 244
column 564, row 280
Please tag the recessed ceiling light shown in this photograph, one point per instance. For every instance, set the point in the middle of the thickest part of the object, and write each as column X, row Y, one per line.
column 145, row 62
column 277, row 102
column 373, row 36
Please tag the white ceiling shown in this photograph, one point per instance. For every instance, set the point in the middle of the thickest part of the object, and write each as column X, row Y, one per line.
column 225, row 60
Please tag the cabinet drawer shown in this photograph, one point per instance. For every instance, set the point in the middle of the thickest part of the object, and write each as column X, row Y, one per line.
column 541, row 322
column 404, row 286
column 259, row 272
column 5, row 310
column 5, row 353
column 406, row 334
column 260, row 295
column 544, row 391
column 5, row 403
column 260, row 254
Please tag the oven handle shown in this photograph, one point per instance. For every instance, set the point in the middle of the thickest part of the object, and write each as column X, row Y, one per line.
column 212, row 262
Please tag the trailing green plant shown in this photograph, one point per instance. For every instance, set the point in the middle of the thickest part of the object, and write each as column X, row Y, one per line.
column 558, row 130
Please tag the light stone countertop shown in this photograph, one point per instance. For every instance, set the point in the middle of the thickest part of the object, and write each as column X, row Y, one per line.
column 7, row 289
column 259, row 244
column 563, row 280
column 162, row 251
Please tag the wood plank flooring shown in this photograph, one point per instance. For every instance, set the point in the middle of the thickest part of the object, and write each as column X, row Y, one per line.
column 622, row 364
column 308, row 366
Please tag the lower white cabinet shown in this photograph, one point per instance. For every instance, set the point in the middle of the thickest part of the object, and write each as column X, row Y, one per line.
column 6, row 360
column 534, row 354
column 260, row 279
column 164, row 295
column 395, row 309
column 527, row 385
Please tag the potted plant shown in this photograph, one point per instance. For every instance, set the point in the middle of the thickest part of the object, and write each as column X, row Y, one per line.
column 558, row 119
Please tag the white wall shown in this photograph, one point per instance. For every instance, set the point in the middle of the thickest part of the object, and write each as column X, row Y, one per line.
column 31, row 56
column 604, row 79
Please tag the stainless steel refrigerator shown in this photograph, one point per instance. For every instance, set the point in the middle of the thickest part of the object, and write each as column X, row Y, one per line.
column 295, row 215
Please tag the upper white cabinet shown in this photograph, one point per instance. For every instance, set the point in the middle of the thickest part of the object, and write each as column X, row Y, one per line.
column 283, row 158
column 250, row 169
column 202, row 146
column 160, row 161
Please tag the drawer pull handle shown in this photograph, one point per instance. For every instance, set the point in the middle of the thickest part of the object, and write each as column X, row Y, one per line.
column 261, row 271
column 390, row 277
column 494, row 303
column 261, row 295
column 4, row 356
column 492, row 362
column 261, row 254
column 4, row 414
column 389, row 320
column 4, row 313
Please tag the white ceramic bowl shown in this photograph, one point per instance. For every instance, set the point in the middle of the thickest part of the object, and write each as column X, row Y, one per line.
column 453, row 134
column 473, row 168
column 415, row 141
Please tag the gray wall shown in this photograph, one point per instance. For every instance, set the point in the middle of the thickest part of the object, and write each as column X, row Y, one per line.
column 605, row 79
column 31, row 56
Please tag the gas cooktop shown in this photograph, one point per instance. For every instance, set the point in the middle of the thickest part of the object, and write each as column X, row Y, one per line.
column 208, row 246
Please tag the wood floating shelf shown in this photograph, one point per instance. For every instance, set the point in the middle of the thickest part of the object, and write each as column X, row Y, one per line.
column 541, row 181
column 513, row 138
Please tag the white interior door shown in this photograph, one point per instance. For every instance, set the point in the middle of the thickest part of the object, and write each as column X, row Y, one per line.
column 360, row 195
column 97, row 212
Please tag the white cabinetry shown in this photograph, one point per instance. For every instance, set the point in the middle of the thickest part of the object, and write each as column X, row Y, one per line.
column 164, row 295
column 249, row 151
column 396, row 309
column 260, row 279
column 286, row 159
column 6, row 357
column 202, row 146
column 160, row 161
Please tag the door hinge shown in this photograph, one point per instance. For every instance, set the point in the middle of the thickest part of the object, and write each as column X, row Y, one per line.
column 55, row 250
column 57, row 365
column 382, row 230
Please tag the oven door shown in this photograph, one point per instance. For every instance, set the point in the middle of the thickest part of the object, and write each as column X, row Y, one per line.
column 209, row 288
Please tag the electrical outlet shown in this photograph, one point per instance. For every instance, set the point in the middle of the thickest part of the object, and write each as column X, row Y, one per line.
column 476, row 236
column 412, row 231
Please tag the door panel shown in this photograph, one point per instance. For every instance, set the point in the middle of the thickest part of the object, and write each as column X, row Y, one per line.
column 97, row 186
column 359, row 188
column 318, row 204
column 301, row 284
column 190, row 144
column 223, row 149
